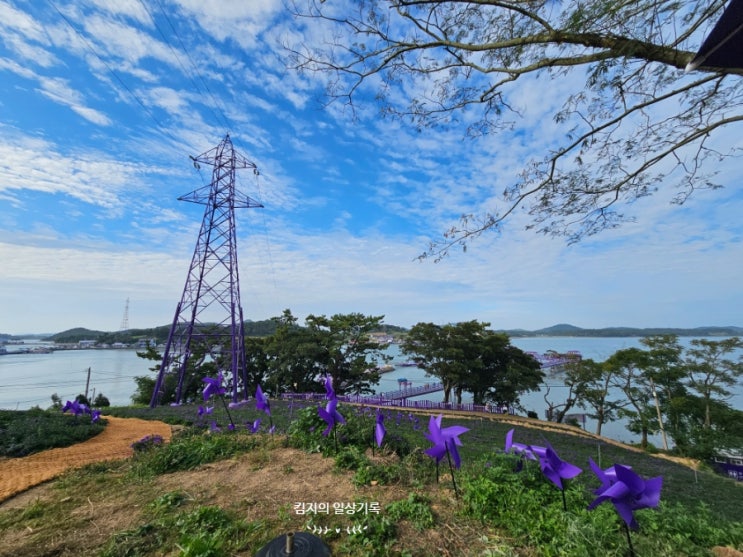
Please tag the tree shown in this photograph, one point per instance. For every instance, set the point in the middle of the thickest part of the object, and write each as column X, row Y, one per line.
column 425, row 344
column 579, row 377
column 101, row 401
column 508, row 371
column 711, row 373
column 294, row 357
column 256, row 361
column 627, row 366
column 593, row 380
column 665, row 371
column 339, row 346
column 632, row 118
column 467, row 356
column 201, row 363
column 347, row 352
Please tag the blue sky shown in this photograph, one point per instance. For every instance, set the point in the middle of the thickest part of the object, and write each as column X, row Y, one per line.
column 103, row 101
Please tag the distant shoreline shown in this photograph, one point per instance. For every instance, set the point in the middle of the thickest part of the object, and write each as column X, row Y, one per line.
column 560, row 330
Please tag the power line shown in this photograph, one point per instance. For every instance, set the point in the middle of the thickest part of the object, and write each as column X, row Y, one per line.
column 116, row 76
column 217, row 104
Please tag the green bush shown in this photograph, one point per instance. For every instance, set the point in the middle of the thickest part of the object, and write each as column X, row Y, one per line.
column 416, row 509
column 190, row 450
column 26, row 432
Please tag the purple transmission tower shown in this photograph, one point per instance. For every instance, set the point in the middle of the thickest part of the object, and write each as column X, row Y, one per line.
column 209, row 317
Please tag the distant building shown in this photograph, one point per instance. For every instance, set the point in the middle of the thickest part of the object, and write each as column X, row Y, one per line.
column 87, row 343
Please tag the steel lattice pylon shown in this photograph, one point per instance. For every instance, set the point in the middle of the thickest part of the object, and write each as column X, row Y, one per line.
column 209, row 313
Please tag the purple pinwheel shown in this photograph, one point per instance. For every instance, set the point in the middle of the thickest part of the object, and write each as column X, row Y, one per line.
column 525, row 451
column 444, row 440
column 628, row 492
column 76, row 408
column 379, row 430
column 555, row 469
column 331, row 416
column 213, row 386
column 203, row 411
column 329, row 392
column 261, row 401
column 606, row 477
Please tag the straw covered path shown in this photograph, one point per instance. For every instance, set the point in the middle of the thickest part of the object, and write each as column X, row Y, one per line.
column 114, row 443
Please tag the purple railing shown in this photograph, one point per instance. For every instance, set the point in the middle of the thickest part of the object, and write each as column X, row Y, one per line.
column 383, row 400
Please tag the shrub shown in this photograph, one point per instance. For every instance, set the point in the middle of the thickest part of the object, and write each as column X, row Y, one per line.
column 188, row 451
column 26, row 432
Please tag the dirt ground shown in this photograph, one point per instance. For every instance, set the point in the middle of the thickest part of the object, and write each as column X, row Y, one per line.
column 19, row 474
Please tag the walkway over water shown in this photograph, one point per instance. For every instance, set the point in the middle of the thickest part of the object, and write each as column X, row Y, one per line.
column 551, row 361
column 380, row 400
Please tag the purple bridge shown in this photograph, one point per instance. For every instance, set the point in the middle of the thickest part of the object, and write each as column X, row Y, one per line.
column 549, row 361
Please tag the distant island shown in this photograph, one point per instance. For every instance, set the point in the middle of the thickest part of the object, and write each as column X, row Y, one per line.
column 567, row 330
column 268, row 327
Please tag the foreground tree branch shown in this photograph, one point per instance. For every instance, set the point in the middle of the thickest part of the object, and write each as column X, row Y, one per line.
column 634, row 121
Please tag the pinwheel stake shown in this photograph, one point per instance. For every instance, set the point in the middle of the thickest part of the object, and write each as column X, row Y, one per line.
column 629, row 541
column 451, row 470
column 300, row 544
column 445, row 441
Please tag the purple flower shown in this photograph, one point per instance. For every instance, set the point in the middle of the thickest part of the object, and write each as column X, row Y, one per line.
column 446, row 439
column 628, row 492
column 261, row 401
column 214, row 428
column 255, row 426
column 95, row 415
column 379, row 430
column 213, row 386
column 331, row 416
column 555, row 469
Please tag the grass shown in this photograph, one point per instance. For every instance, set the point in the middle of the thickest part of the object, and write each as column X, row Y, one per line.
column 26, row 432
column 230, row 493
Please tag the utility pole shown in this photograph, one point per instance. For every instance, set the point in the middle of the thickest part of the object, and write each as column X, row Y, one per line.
column 87, row 384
